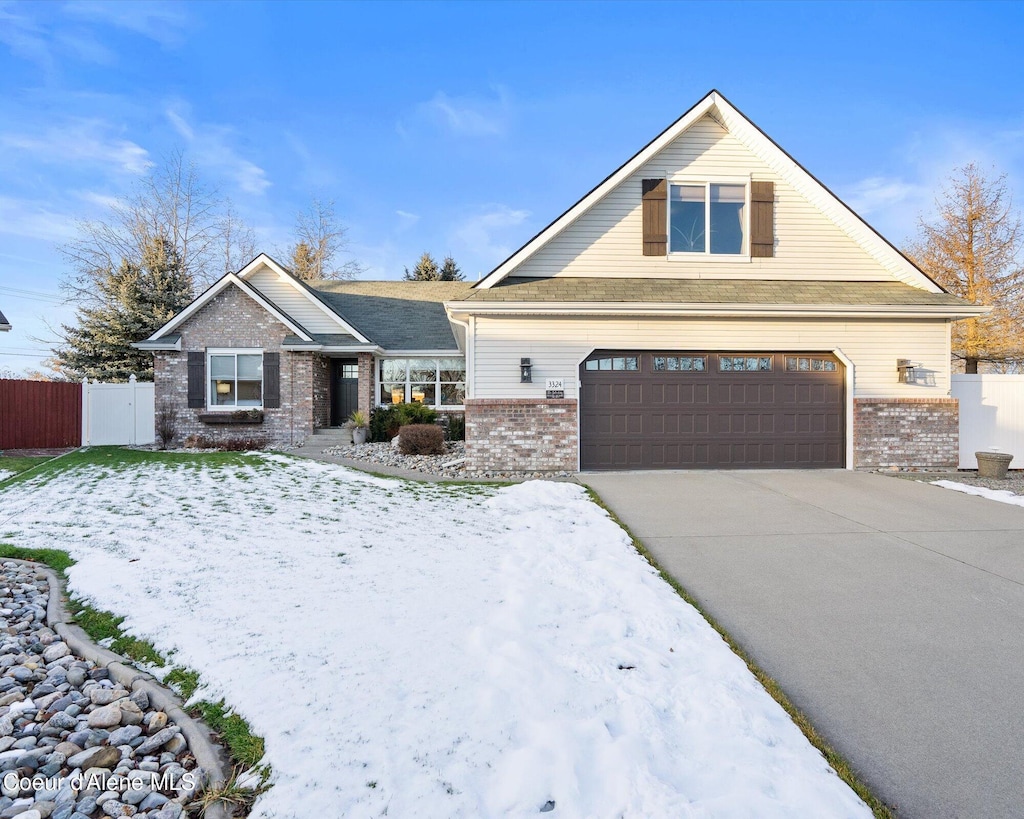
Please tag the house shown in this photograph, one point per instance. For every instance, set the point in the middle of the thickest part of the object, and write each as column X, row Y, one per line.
column 4, row 323
column 710, row 304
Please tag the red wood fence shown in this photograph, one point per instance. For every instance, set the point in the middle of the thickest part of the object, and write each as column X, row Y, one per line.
column 40, row 414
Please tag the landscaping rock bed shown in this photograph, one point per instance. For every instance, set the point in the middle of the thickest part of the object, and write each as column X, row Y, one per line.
column 73, row 743
column 450, row 465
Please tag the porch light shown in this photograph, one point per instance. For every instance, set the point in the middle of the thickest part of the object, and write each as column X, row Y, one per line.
column 906, row 371
column 525, row 371
column 223, row 387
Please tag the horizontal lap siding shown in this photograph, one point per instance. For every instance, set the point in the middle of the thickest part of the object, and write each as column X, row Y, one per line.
column 293, row 302
column 556, row 347
column 607, row 240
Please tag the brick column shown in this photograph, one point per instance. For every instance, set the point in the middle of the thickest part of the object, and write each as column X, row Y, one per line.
column 367, row 379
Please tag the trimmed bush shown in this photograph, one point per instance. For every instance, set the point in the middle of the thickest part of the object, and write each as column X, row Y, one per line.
column 421, row 439
column 238, row 443
column 385, row 421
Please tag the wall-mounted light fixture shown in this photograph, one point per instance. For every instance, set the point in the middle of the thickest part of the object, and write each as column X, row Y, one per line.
column 906, row 371
column 525, row 371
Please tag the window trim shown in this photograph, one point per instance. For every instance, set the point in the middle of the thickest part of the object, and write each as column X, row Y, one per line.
column 706, row 182
column 212, row 351
column 380, row 381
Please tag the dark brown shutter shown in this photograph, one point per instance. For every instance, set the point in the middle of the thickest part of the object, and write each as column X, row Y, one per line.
column 197, row 380
column 271, row 380
column 655, row 201
column 762, row 219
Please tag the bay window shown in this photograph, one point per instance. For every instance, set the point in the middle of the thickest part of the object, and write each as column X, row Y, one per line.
column 436, row 382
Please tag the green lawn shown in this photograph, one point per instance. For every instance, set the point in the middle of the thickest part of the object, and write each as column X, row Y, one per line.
column 10, row 463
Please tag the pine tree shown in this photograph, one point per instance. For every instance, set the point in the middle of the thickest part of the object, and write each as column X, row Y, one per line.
column 133, row 301
column 426, row 270
column 973, row 250
column 450, row 271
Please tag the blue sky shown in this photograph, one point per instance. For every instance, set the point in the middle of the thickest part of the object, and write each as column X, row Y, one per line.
column 464, row 128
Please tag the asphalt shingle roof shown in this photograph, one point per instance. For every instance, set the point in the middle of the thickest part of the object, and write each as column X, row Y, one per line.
column 3, row 321
column 397, row 315
column 709, row 291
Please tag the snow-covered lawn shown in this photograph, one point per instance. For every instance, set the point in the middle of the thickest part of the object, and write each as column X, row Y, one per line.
column 6, row 473
column 1001, row 495
column 427, row 650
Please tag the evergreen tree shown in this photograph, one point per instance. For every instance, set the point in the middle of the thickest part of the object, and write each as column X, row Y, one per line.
column 132, row 302
column 426, row 270
column 450, row 271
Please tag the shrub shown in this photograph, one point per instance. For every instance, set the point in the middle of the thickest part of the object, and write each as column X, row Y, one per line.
column 421, row 439
column 385, row 421
column 166, row 425
column 456, row 427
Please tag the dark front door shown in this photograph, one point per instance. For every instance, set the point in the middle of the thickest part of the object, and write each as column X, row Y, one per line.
column 710, row 410
column 344, row 389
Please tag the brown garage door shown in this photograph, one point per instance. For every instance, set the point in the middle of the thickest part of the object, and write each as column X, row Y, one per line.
column 706, row 410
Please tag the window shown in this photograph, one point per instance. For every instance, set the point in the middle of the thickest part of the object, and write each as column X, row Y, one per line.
column 436, row 382
column 693, row 207
column 810, row 364
column 744, row 363
column 631, row 363
column 688, row 363
column 236, row 379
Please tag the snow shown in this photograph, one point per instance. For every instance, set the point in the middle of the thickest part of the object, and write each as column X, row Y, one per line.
column 1001, row 495
column 430, row 650
column 6, row 473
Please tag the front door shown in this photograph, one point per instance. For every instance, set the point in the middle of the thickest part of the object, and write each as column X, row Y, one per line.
column 344, row 389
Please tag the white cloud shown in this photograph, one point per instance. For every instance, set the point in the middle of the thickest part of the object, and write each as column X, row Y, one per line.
column 161, row 22
column 33, row 219
column 406, row 220
column 25, row 38
column 81, row 141
column 879, row 193
column 467, row 116
column 211, row 145
column 486, row 235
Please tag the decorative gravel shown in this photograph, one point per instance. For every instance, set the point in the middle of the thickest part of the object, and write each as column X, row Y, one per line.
column 450, row 465
column 73, row 744
column 1013, row 482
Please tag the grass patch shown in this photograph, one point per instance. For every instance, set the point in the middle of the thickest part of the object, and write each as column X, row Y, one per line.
column 834, row 758
column 234, row 731
column 19, row 463
column 246, row 748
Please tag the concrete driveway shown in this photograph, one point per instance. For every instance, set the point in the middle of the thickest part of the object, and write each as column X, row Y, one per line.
column 890, row 611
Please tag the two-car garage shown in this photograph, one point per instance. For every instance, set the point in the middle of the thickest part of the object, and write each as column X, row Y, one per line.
column 712, row 410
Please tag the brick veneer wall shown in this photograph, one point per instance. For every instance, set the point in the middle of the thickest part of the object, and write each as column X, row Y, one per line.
column 367, row 377
column 906, row 433
column 521, row 434
column 232, row 319
column 321, row 391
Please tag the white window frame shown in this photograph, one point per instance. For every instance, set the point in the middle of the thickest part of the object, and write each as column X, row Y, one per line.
column 706, row 183
column 236, row 351
column 408, row 383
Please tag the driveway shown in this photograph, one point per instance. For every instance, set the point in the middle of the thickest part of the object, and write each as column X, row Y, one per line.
column 890, row 611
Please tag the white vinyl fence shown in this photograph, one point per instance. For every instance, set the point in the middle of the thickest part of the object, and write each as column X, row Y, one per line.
column 991, row 416
column 117, row 413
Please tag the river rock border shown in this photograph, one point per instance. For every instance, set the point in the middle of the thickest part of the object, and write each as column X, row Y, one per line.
column 209, row 757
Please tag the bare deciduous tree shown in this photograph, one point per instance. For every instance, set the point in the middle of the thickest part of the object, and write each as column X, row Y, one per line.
column 972, row 249
column 320, row 241
column 172, row 203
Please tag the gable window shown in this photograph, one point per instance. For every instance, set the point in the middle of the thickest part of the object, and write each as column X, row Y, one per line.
column 436, row 382
column 236, row 379
column 708, row 218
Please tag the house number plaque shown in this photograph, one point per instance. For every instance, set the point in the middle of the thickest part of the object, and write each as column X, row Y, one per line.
column 555, row 388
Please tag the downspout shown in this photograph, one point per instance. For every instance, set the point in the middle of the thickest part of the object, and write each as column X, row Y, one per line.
column 470, row 366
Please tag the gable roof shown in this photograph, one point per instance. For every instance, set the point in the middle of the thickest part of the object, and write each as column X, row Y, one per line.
column 397, row 315
column 759, row 143
column 4, row 323
column 227, row 280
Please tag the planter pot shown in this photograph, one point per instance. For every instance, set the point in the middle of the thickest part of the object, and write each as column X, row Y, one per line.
column 993, row 464
column 359, row 436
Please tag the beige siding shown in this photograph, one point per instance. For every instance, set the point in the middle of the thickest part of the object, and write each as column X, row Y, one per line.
column 557, row 345
column 607, row 240
column 295, row 303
